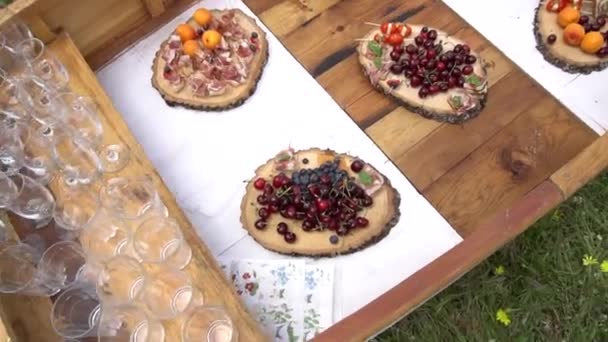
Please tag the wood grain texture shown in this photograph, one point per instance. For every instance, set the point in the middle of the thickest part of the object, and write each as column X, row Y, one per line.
column 501, row 228
column 494, row 167
column 105, row 52
column 28, row 316
column 155, row 7
column 582, row 168
column 15, row 8
column 498, row 173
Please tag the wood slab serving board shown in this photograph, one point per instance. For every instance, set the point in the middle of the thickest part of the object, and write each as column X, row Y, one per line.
column 509, row 26
column 28, row 317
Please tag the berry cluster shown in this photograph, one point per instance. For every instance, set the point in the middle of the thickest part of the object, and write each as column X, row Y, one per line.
column 426, row 65
column 321, row 198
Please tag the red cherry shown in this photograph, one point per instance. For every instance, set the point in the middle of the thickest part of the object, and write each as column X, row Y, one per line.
column 259, row 183
column 357, row 166
column 289, row 237
column 322, row 204
column 263, row 213
column 362, row 222
column 277, row 181
column 282, row 228
column 260, row 224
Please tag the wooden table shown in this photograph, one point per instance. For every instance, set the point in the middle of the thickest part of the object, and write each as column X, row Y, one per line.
column 491, row 178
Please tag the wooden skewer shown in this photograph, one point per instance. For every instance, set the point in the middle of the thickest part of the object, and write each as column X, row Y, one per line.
column 372, row 24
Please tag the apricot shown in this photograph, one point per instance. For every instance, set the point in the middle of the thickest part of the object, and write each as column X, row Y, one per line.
column 574, row 34
column 211, row 39
column 568, row 15
column 191, row 47
column 202, row 16
column 185, row 32
column 592, row 42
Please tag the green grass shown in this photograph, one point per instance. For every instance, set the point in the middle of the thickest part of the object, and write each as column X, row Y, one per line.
column 548, row 293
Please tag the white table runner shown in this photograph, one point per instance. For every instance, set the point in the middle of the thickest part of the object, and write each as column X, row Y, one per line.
column 204, row 158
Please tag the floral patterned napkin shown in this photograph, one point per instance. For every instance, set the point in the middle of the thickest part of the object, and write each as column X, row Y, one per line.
column 292, row 300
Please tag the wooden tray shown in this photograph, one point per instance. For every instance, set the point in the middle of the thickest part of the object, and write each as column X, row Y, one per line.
column 491, row 177
column 27, row 318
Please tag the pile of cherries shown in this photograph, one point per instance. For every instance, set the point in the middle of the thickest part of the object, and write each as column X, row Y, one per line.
column 427, row 66
column 321, row 198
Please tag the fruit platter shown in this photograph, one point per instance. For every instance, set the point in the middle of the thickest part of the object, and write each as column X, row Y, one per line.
column 213, row 62
column 426, row 70
column 572, row 34
column 318, row 203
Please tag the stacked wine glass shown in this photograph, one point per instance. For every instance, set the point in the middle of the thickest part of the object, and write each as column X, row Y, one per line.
column 100, row 243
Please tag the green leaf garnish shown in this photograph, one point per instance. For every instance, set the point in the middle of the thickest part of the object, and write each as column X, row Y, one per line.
column 473, row 80
column 365, row 178
column 283, row 156
column 375, row 47
column 455, row 102
column 378, row 62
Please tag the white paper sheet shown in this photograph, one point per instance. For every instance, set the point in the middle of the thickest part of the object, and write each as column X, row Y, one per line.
column 509, row 26
column 204, row 158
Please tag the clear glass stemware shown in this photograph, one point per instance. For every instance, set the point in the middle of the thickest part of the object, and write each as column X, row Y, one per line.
column 40, row 99
column 38, row 156
column 76, row 312
column 210, row 324
column 10, row 106
column 33, row 200
column 19, row 272
column 131, row 199
column 77, row 161
column 129, row 323
column 8, row 190
column 62, row 263
column 82, row 116
column 14, row 32
column 160, row 240
column 12, row 136
column 121, row 280
column 43, row 64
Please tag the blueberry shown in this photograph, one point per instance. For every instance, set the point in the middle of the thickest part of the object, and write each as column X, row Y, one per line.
column 334, row 239
column 314, row 178
column 305, row 179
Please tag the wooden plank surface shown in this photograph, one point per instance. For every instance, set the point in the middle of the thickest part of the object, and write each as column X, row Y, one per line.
column 28, row 317
column 15, row 8
column 466, row 171
column 582, row 168
column 487, row 177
